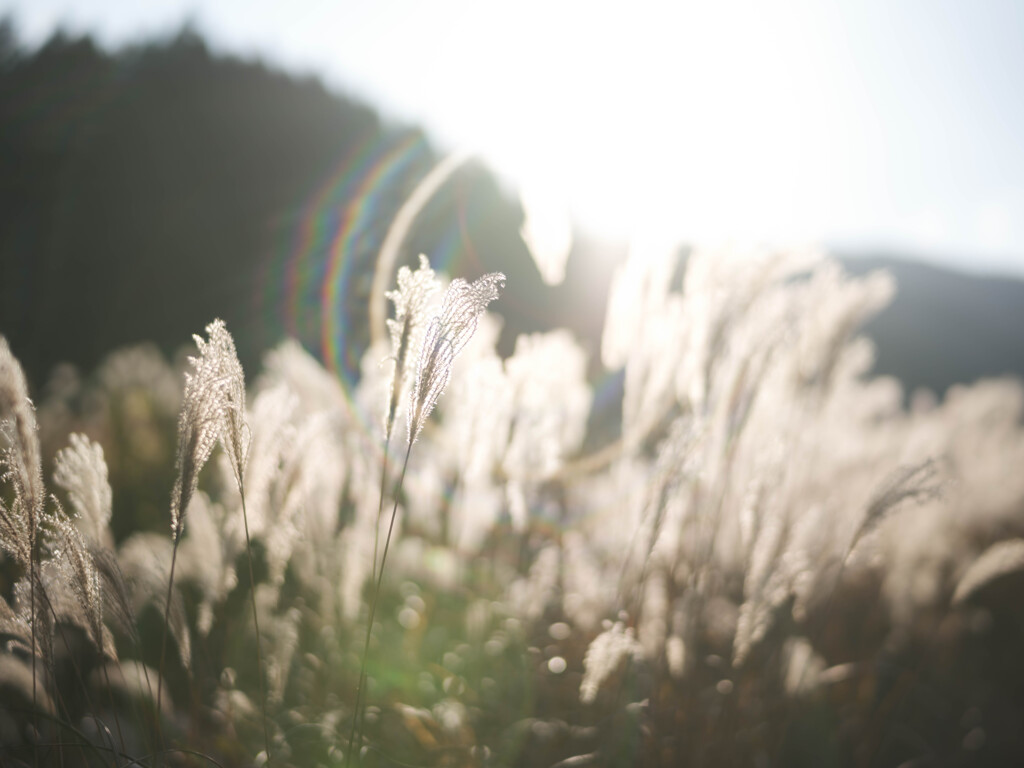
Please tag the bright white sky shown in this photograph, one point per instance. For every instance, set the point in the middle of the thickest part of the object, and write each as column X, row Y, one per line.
column 895, row 123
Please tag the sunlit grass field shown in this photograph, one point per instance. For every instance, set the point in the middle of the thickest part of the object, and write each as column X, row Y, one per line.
column 773, row 561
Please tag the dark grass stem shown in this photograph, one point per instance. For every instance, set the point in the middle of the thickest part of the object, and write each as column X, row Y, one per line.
column 32, row 610
column 388, row 428
column 113, row 708
column 163, row 642
column 85, row 743
column 358, row 709
column 256, row 624
column 149, row 711
column 380, row 504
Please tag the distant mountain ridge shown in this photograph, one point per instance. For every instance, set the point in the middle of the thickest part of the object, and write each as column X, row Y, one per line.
column 945, row 327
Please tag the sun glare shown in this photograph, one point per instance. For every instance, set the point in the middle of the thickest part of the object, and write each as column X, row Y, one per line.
column 650, row 119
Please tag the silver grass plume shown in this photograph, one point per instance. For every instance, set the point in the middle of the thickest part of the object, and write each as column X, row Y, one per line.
column 285, row 639
column 234, row 434
column 18, row 523
column 21, row 466
column 218, row 357
column 603, row 657
column 447, row 334
column 406, row 329
column 273, row 434
column 81, row 471
column 68, row 550
column 20, row 462
column 917, row 483
column 13, row 626
column 551, row 402
column 1001, row 559
column 213, row 409
column 30, row 607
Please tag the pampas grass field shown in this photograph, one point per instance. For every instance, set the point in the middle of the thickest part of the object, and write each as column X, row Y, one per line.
column 773, row 561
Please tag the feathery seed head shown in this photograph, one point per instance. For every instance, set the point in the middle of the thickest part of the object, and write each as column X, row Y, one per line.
column 17, row 526
column 234, row 432
column 406, row 328
column 603, row 656
column 410, row 300
column 915, row 482
column 446, row 336
column 20, row 463
column 75, row 568
column 81, row 471
column 213, row 408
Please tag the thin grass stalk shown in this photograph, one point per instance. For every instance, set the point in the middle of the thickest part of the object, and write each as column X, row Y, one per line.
column 130, row 761
column 137, row 645
column 380, row 504
column 117, row 720
column 98, row 640
column 256, row 623
column 388, row 427
column 358, row 713
column 57, row 697
column 163, row 642
column 32, row 611
column 142, row 718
